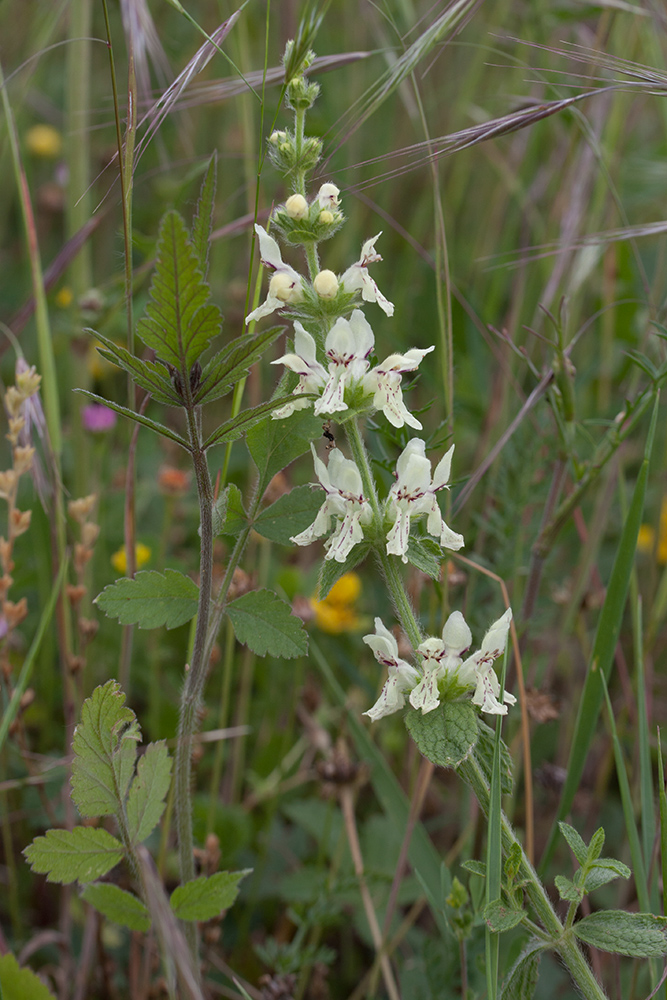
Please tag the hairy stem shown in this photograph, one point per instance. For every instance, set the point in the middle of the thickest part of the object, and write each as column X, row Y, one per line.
column 563, row 939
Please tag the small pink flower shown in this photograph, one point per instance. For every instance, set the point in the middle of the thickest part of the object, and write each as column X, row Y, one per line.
column 97, row 418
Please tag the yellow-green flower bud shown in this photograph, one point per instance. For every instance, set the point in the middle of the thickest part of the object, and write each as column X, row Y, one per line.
column 326, row 284
column 296, row 207
column 325, row 217
column 283, row 286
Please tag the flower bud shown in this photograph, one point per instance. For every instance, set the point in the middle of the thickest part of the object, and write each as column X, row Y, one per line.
column 27, row 381
column 325, row 217
column 296, row 207
column 326, row 284
column 283, row 286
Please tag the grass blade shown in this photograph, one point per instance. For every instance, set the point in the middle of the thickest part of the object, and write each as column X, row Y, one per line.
column 606, row 638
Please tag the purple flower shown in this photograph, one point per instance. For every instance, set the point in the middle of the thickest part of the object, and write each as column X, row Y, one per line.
column 98, row 418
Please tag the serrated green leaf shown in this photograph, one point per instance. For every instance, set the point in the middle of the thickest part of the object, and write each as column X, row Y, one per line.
column 265, row 623
column 235, row 516
column 180, row 322
column 204, row 898
column 426, row 555
column 147, row 374
column 18, row 983
column 233, row 362
column 105, row 749
column 151, row 599
column 139, row 418
column 596, row 845
column 501, row 917
column 484, row 755
column 146, row 798
column 577, row 846
column 603, row 872
column 522, row 978
column 276, row 443
column 203, row 220
column 291, row 514
column 639, row 935
column 82, row 854
column 567, row 889
column 475, row 867
column 445, row 736
column 118, row 905
column 233, row 428
column 331, row 571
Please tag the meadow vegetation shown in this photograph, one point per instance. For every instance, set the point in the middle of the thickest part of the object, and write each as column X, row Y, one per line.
column 237, row 758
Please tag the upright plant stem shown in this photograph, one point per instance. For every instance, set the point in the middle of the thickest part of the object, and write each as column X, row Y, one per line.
column 196, row 674
column 563, row 939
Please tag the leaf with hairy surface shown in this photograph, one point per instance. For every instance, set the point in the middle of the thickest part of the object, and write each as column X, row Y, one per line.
column 118, row 905
column 151, row 599
column 146, row 799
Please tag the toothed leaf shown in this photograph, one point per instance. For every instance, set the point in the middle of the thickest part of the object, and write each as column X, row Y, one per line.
column 203, row 220
column 105, row 749
column 204, row 898
column 79, row 855
column 146, row 799
column 18, row 983
column 151, row 600
column 118, row 905
column 265, row 624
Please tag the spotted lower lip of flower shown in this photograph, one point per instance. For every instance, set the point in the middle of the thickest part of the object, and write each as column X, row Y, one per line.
column 348, row 345
column 478, row 669
column 312, row 376
column 413, row 495
column 385, row 382
column 344, row 501
column 286, row 285
column 357, row 278
column 402, row 676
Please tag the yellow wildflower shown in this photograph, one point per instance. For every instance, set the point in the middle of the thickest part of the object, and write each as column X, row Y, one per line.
column 64, row 297
column 141, row 554
column 44, row 140
column 337, row 612
column 646, row 540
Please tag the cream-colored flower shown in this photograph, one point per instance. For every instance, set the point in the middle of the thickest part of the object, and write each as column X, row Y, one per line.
column 286, row 285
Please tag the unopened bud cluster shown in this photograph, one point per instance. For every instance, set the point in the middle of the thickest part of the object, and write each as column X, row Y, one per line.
column 299, row 221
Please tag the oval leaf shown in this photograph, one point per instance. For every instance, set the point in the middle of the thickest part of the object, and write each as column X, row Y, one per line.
column 445, row 736
column 289, row 515
column 117, row 905
column 640, row 935
column 265, row 623
column 501, row 917
column 151, row 599
column 204, row 898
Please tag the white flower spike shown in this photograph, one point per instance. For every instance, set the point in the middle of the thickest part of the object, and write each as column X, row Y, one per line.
column 286, row 285
column 384, row 381
column 478, row 669
column 344, row 502
column 357, row 278
column 348, row 344
column 441, row 669
column 414, row 494
column 402, row 676
column 312, row 376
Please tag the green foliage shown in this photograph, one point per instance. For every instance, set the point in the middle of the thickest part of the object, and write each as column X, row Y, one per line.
column 426, row 555
column 79, row 855
column 484, row 754
column 232, row 429
column 445, row 736
column 206, row 897
column 118, row 905
column 500, row 917
column 105, row 750
column 331, row 570
column 146, row 799
column 639, row 935
column 230, row 517
column 231, row 363
column 291, row 514
column 202, row 224
column 265, row 623
column 522, row 978
column 18, row 983
column 276, row 443
column 151, row 599
column 180, row 321
column 593, row 871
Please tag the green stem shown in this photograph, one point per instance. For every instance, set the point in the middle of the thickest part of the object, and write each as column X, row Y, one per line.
column 196, row 676
column 563, row 939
